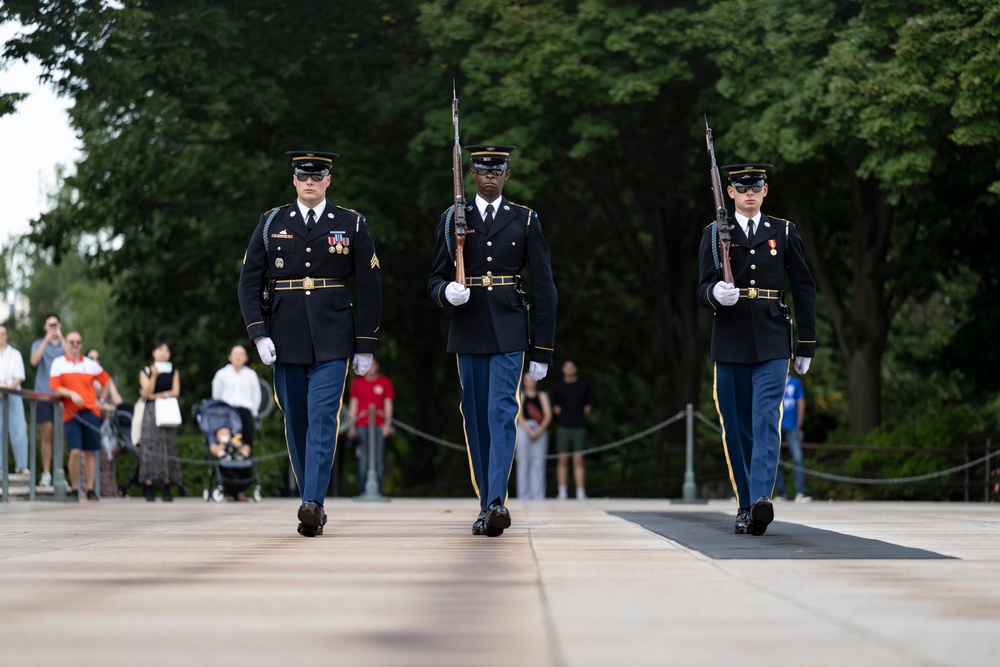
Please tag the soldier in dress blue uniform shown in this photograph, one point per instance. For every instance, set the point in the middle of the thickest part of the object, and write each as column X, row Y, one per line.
column 752, row 337
column 303, row 253
column 490, row 323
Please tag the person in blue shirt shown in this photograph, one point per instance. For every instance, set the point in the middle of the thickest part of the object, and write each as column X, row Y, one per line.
column 791, row 432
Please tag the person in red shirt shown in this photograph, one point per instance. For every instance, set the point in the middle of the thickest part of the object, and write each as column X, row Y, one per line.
column 72, row 377
column 371, row 389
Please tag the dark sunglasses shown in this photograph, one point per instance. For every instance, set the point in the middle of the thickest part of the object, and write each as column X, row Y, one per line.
column 496, row 171
column 305, row 177
column 756, row 187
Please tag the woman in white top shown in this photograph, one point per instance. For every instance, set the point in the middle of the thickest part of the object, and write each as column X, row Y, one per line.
column 238, row 385
column 11, row 376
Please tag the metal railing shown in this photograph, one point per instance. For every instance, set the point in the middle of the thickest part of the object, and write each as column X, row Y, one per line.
column 58, row 474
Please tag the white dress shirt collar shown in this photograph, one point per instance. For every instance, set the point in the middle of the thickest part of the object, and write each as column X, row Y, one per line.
column 304, row 210
column 482, row 203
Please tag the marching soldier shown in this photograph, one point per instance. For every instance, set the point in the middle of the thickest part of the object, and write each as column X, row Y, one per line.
column 302, row 254
column 752, row 337
column 490, row 323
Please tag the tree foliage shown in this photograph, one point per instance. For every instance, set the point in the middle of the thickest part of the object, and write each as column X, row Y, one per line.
column 881, row 119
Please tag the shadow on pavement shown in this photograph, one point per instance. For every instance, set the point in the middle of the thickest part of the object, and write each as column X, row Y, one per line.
column 711, row 533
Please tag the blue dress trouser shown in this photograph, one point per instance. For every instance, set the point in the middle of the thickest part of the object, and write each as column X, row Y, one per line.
column 490, row 402
column 311, row 396
column 749, row 398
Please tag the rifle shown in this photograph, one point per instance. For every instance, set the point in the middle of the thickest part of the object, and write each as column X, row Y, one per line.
column 721, row 216
column 459, row 182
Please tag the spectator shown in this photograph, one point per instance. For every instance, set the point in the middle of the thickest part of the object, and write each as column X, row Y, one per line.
column 72, row 377
column 108, row 398
column 367, row 390
column 238, row 385
column 791, row 433
column 43, row 351
column 225, row 446
column 571, row 405
column 158, row 463
column 11, row 377
column 532, row 440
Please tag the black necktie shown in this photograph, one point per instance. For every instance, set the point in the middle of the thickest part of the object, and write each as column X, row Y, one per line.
column 489, row 215
column 750, row 230
column 311, row 222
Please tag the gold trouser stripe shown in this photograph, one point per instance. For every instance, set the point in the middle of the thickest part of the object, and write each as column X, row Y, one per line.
column 465, row 428
column 722, row 424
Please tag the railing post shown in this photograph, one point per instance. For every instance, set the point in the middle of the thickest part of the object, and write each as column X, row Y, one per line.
column 58, row 470
column 371, row 482
column 32, row 448
column 689, row 490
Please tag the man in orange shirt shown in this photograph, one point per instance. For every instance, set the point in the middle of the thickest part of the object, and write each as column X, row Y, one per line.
column 72, row 377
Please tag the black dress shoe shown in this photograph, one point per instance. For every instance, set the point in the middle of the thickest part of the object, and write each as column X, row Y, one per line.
column 742, row 520
column 309, row 531
column 497, row 519
column 761, row 514
column 479, row 526
column 312, row 514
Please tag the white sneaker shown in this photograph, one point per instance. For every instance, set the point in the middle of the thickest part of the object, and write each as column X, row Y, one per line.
column 562, row 493
column 581, row 494
column 802, row 498
column 46, row 479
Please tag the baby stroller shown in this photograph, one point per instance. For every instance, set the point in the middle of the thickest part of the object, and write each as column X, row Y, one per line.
column 229, row 476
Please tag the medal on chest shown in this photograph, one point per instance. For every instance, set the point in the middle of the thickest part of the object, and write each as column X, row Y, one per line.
column 772, row 244
column 339, row 243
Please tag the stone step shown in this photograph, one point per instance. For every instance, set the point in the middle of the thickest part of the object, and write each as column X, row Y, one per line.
column 17, row 486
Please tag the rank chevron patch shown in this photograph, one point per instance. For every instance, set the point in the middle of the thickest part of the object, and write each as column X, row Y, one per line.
column 375, row 264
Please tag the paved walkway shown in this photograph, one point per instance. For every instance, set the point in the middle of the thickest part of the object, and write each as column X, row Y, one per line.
column 598, row 582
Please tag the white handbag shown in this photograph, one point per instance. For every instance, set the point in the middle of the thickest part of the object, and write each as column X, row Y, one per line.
column 168, row 412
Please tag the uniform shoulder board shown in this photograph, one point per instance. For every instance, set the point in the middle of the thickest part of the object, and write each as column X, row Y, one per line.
column 520, row 205
column 774, row 217
column 276, row 208
column 349, row 210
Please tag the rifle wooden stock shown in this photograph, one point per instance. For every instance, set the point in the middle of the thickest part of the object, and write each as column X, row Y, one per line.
column 721, row 215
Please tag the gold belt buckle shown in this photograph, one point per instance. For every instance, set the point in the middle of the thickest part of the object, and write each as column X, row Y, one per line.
column 752, row 292
column 487, row 281
column 308, row 283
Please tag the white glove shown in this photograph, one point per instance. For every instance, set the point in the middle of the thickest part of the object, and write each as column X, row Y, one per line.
column 362, row 362
column 802, row 365
column 537, row 371
column 265, row 346
column 456, row 294
column 726, row 293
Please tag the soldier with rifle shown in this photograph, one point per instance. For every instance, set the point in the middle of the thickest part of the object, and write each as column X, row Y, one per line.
column 476, row 274
column 744, row 263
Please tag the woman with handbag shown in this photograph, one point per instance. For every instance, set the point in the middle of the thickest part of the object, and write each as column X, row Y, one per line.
column 160, row 385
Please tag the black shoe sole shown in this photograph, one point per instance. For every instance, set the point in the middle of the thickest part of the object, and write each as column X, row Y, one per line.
column 309, row 531
column 496, row 523
column 760, row 516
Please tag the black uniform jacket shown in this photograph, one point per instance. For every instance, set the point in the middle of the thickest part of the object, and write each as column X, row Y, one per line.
column 756, row 330
column 494, row 320
column 310, row 325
